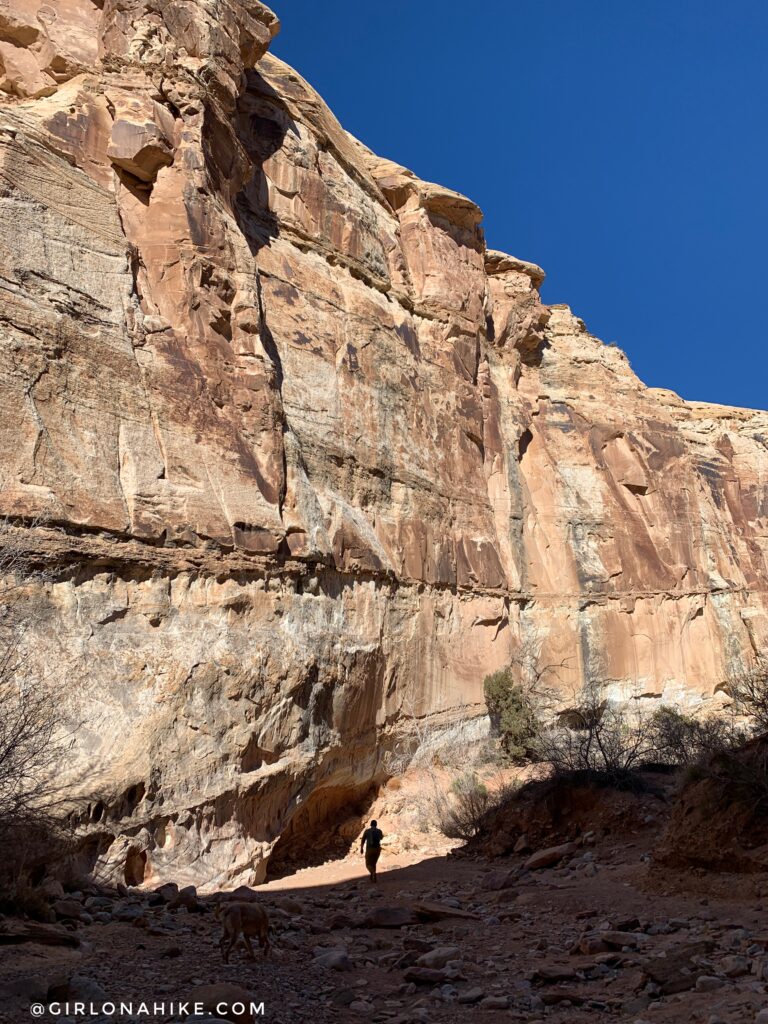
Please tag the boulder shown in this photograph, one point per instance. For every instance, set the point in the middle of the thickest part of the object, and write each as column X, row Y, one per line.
column 676, row 971
column 709, row 983
column 426, row 910
column 425, row 975
column 498, row 880
column 552, row 974
column 17, row 933
column 67, row 909
column 142, row 139
column 590, row 945
column 245, row 893
column 186, row 899
column 334, row 960
column 618, row 939
column 32, row 987
column 289, row 905
column 439, row 956
column 494, row 1003
column 549, row 857
column 168, row 891
column 388, row 917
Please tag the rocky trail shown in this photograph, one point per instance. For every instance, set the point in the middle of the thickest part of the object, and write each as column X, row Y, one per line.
column 598, row 931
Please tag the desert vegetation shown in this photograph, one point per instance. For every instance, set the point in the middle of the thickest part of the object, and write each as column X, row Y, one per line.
column 593, row 741
column 33, row 829
column 599, row 742
column 598, row 735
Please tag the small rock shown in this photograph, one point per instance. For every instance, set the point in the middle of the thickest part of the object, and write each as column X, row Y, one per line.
column 289, row 905
column 244, row 894
column 334, row 960
column 389, row 917
column 551, row 974
column 708, row 983
column 438, row 957
column 343, row 997
column 128, row 913
column 425, row 975
column 621, row 939
column 186, row 898
column 549, row 857
column 168, row 891
column 591, row 945
column 495, row 1003
column 67, row 909
column 497, row 880
column 735, row 966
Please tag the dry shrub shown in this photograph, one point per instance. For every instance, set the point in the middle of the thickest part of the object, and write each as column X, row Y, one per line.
column 462, row 812
column 33, row 828
column 610, row 742
column 742, row 773
column 749, row 693
column 685, row 740
column 459, row 814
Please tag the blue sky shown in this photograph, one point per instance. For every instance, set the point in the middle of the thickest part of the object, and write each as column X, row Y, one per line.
column 620, row 144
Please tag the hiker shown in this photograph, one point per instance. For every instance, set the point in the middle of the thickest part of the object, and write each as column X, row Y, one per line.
column 371, row 843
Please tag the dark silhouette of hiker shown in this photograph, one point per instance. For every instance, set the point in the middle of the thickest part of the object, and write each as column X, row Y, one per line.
column 371, row 843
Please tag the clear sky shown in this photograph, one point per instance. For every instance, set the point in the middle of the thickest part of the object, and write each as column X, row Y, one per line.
column 621, row 144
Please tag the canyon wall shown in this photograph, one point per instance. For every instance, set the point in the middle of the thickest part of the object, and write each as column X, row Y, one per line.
column 304, row 458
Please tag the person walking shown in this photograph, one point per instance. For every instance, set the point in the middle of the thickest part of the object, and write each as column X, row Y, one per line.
column 371, row 845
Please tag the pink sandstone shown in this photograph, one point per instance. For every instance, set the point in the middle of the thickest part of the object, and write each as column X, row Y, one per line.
column 312, row 459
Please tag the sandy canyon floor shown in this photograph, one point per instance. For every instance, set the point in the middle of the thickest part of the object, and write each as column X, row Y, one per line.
column 606, row 934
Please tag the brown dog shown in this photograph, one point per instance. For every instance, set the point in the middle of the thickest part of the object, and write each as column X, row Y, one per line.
column 246, row 919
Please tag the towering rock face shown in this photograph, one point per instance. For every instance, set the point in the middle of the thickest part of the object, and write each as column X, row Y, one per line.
column 309, row 460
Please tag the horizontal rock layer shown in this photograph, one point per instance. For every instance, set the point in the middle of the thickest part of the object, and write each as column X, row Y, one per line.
column 310, row 460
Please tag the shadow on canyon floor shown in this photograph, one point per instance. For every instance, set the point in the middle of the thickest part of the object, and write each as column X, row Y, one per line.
column 604, row 930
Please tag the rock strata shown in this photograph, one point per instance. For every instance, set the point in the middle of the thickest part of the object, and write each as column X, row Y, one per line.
column 308, row 459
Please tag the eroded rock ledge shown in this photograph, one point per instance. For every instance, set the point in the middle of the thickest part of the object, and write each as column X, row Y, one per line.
column 316, row 459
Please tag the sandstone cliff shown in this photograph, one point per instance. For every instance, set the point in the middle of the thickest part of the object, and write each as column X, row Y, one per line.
column 312, row 460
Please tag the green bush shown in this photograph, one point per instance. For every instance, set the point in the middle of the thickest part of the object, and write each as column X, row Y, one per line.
column 512, row 713
column 469, row 783
column 461, row 816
